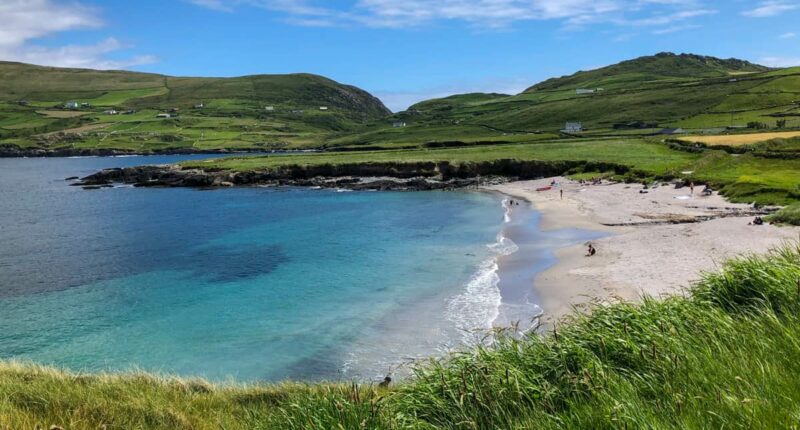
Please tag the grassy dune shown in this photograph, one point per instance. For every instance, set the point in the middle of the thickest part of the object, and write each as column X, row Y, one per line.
column 724, row 355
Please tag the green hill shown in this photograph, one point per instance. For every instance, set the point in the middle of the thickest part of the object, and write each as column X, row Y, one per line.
column 661, row 91
column 247, row 112
column 659, row 67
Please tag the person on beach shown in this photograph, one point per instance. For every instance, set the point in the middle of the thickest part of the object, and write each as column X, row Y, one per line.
column 691, row 188
column 562, row 193
column 591, row 251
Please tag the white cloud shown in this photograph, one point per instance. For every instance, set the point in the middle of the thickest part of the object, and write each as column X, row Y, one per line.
column 770, row 8
column 220, row 5
column 675, row 29
column 25, row 21
column 483, row 13
column 779, row 61
column 81, row 56
column 788, row 35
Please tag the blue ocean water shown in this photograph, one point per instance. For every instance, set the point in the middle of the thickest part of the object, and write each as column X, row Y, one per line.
column 248, row 283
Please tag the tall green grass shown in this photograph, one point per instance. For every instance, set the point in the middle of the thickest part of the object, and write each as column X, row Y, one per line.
column 725, row 354
column 788, row 215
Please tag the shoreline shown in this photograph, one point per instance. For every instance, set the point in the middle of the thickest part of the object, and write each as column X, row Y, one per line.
column 653, row 243
column 6, row 152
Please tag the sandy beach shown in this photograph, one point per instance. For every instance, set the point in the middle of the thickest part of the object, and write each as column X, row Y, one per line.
column 656, row 243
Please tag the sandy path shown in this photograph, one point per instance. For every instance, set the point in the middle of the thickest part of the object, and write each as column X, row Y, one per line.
column 652, row 247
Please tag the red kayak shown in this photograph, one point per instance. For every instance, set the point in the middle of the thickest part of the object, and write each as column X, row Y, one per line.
column 544, row 189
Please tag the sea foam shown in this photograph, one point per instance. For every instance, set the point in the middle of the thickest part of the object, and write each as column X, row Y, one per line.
column 475, row 310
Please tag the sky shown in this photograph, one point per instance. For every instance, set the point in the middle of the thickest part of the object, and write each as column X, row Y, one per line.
column 402, row 51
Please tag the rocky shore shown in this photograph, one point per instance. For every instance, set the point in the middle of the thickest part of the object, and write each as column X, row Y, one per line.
column 410, row 176
column 175, row 176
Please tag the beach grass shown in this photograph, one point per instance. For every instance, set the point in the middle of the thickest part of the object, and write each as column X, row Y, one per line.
column 788, row 215
column 722, row 355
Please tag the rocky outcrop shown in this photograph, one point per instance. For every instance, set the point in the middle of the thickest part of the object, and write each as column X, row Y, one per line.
column 356, row 176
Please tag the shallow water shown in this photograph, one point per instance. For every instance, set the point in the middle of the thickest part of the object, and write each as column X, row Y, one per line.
column 255, row 283
column 249, row 283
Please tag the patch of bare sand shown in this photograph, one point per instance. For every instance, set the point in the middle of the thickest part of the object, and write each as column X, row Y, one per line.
column 659, row 242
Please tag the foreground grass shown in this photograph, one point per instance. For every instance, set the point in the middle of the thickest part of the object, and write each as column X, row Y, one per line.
column 724, row 356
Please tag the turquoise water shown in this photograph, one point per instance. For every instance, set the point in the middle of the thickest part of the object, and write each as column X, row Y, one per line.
column 249, row 283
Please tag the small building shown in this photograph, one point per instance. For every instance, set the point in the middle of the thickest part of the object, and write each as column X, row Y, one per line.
column 399, row 124
column 173, row 110
column 323, row 108
column 269, row 108
column 85, row 105
column 72, row 105
column 581, row 91
column 671, row 131
column 164, row 115
column 110, row 112
column 733, row 80
column 199, row 106
column 22, row 102
column 573, row 127
column 129, row 112
column 297, row 111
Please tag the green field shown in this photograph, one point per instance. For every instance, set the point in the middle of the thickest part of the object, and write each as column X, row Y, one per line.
column 723, row 356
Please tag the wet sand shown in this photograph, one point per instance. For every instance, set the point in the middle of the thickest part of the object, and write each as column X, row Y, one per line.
column 652, row 243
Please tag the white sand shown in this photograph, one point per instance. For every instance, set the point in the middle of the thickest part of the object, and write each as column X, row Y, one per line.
column 644, row 253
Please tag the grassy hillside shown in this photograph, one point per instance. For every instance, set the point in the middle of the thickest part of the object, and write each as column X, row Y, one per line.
column 703, row 95
column 664, row 66
column 267, row 111
column 643, row 95
column 722, row 356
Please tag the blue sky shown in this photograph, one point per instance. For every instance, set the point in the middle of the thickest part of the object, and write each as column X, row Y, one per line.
column 402, row 51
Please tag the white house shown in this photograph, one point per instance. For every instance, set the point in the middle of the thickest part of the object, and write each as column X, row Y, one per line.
column 580, row 91
column 71, row 105
column 323, row 108
column 163, row 115
column 199, row 105
column 399, row 124
column 573, row 127
column 111, row 112
column 269, row 108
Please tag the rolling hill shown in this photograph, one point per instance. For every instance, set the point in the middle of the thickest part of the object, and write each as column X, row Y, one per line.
column 259, row 111
column 647, row 94
column 703, row 95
